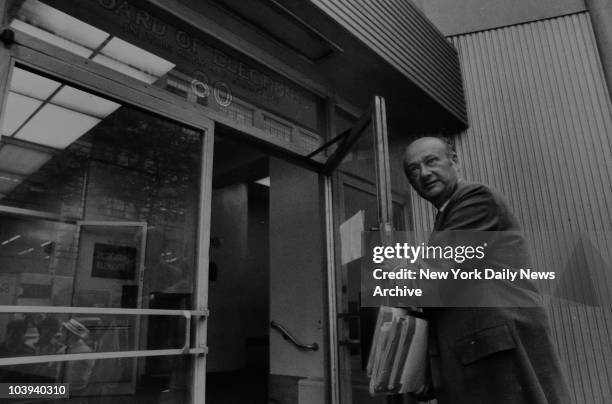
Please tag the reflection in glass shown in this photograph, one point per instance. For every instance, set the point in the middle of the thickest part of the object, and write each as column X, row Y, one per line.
column 107, row 202
column 360, row 160
column 102, row 381
column 26, row 334
column 103, row 215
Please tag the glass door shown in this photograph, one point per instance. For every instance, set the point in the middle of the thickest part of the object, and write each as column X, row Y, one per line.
column 104, row 226
column 361, row 199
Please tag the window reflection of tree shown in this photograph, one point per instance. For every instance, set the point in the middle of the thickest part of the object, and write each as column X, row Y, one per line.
column 157, row 163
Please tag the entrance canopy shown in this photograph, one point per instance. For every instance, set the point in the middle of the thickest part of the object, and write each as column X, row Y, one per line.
column 353, row 49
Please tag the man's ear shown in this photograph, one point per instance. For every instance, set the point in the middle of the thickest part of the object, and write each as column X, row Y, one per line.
column 456, row 164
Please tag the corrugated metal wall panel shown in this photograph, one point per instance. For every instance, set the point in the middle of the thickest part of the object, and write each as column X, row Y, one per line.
column 398, row 32
column 541, row 129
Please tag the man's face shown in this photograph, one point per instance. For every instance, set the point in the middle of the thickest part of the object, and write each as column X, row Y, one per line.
column 432, row 172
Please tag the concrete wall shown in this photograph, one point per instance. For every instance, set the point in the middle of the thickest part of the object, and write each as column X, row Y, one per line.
column 454, row 17
column 258, row 264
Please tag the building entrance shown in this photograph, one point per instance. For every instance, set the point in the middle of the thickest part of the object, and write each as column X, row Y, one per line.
column 265, row 269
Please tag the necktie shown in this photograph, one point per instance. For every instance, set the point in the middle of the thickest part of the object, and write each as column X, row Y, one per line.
column 438, row 221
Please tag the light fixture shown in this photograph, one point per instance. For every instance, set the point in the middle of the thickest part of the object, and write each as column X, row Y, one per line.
column 26, row 251
column 86, row 103
column 67, row 112
column 64, row 31
column 56, row 127
column 44, row 111
column 8, row 182
column 125, row 69
column 10, row 240
column 32, row 85
column 60, row 24
column 50, row 38
column 18, row 109
column 21, row 160
column 264, row 181
column 134, row 56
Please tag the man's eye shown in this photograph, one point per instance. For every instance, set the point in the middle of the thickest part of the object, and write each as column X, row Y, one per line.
column 431, row 161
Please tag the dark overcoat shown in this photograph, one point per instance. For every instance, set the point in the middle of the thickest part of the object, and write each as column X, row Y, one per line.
column 492, row 354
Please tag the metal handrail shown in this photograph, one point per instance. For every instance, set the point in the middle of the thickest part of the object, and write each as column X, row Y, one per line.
column 26, row 360
column 289, row 337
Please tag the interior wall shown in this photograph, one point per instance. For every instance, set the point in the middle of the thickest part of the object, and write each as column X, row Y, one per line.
column 296, row 284
column 228, row 308
column 258, row 275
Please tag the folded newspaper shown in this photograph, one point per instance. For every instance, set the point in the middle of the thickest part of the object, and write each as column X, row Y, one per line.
column 398, row 357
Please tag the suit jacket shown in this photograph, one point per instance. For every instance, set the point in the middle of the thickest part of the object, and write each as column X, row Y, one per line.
column 492, row 354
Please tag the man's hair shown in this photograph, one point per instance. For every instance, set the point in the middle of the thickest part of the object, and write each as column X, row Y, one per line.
column 448, row 141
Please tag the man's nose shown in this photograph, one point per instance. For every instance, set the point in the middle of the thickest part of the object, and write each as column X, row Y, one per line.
column 425, row 172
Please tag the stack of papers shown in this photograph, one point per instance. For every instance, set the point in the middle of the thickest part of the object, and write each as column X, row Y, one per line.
column 398, row 357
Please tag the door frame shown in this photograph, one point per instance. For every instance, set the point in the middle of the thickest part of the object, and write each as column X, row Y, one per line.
column 334, row 181
column 142, row 226
column 67, row 67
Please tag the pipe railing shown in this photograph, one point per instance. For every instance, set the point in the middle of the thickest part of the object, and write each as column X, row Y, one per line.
column 289, row 337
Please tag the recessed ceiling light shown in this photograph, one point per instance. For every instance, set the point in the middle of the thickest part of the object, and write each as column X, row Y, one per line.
column 84, row 102
column 56, row 127
column 50, row 38
column 61, row 24
column 32, row 85
column 134, row 56
column 18, row 109
column 21, row 160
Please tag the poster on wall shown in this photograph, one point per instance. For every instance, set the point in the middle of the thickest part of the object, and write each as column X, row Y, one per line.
column 112, row 261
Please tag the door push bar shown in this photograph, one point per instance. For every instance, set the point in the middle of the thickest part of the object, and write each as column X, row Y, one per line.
column 186, row 349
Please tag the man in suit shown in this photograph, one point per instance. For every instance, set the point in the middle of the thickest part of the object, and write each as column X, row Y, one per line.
column 502, row 354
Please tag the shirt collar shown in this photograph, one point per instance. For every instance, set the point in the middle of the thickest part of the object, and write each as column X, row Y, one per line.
column 449, row 198
column 443, row 206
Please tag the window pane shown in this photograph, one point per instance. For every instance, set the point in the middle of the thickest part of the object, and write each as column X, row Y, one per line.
column 101, row 213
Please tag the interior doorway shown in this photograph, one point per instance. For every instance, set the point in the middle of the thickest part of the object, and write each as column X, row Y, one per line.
column 266, row 286
column 239, row 272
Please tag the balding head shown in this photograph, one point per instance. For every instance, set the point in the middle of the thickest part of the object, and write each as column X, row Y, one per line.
column 432, row 169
